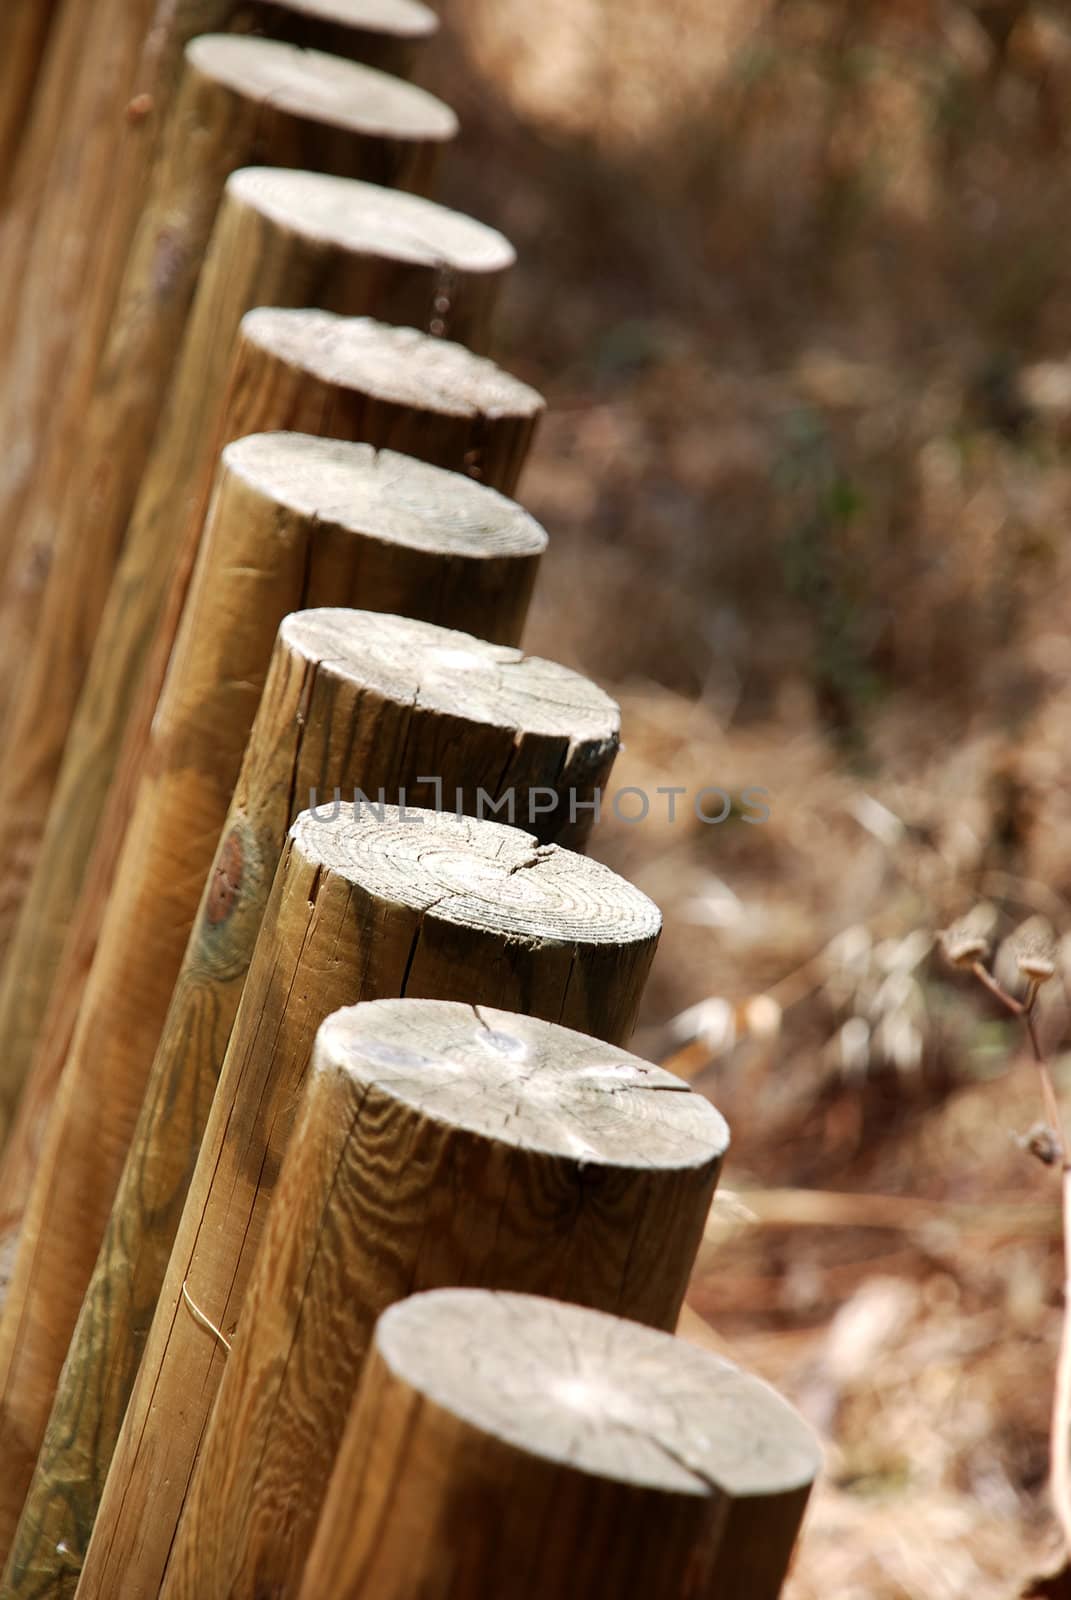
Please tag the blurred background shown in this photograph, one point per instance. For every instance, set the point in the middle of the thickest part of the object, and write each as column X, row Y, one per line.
column 794, row 278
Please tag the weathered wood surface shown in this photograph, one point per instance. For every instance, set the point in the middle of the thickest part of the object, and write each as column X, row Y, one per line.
column 364, row 701
column 62, row 209
column 374, row 907
column 106, row 98
column 241, row 99
column 24, row 30
column 283, row 238
column 25, row 184
column 338, row 521
column 250, row 575
column 438, row 1144
column 507, row 1445
column 311, row 370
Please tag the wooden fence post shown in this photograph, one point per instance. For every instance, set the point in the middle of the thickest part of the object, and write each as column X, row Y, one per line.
column 60, row 208
column 24, row 30
column 375, row 906
column 283, row 237
column 502, row 1444
column 438, row 1144
column 240, row 100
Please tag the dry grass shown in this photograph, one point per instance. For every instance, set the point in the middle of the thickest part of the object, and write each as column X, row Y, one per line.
column 794, row 280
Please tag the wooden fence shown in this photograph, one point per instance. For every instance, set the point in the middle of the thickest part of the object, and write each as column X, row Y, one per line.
column 342, row 1242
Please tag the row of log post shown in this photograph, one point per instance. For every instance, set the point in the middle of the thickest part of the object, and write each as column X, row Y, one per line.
column 332, row 1207
column 282, row 239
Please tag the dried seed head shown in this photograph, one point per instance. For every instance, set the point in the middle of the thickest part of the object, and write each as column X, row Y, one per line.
column 1037, row 967
column 1030, row 952
column 967, row 940
column 963, row 949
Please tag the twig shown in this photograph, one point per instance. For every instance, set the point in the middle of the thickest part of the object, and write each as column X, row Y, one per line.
column 1060, row 1437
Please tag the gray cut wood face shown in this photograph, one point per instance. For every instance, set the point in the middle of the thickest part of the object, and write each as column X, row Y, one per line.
column 608, row 1461
column 399, row 365
column 534, row 1084
column 379, row 493
column 606, row 1396
column 370, row 220
column 350, row 94
column 481, row 876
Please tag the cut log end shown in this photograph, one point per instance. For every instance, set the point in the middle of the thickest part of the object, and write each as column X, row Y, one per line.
column 454, row 674
column 479, row 876
column 365, row 218
column 401, row 366
column 402, row 19
column 598, row 1394
column 385, row 496
column 523, row 1082
column 309, row 83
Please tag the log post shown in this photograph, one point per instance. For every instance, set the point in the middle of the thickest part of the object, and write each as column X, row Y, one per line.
column 293, row 518
column 282, row 237
column 506, row 1445
column 24, row 30
column 241, row 100
column 438, row 1144
column 379, row 905
column 62, row 199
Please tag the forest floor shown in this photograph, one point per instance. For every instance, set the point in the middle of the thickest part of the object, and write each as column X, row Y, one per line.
column 794, row 279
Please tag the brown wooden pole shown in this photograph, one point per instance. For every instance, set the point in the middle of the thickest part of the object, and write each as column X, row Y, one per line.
column 24, row 30
column 25, row 181
column 373, row 906
column 78, row 195
column 62, row 200
column 364, row 700
column 271, row 517
column 283, row 237
column 502, row 1444
column 438, row 1144
column 239, row 97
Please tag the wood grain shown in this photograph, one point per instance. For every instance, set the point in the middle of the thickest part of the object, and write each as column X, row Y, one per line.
column 24, row 30
column 241, row 99
column 282, row 238
column 438, row 1144
column 507, row 1445
column 262, row 533
column 77, row 198
column 424, row 905
column 72, row 150
column 396, row 698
